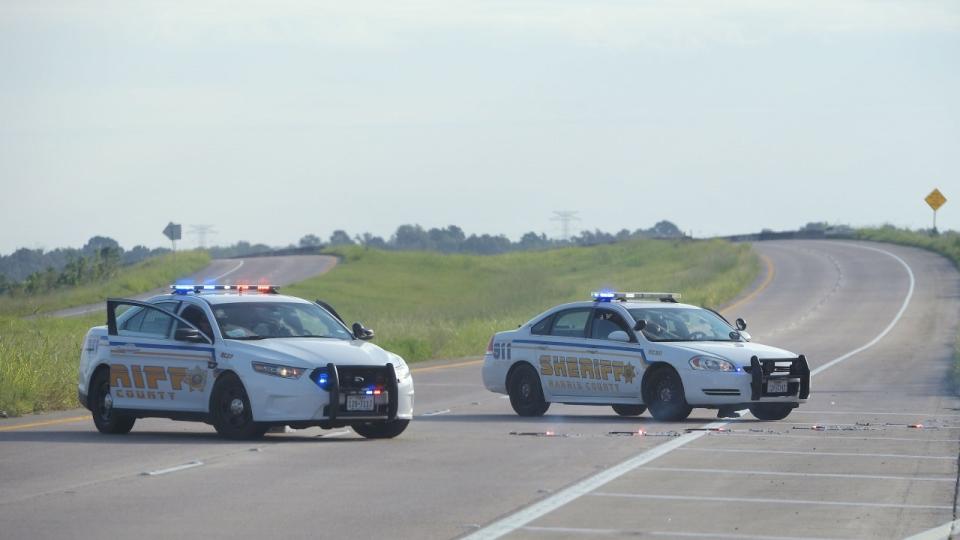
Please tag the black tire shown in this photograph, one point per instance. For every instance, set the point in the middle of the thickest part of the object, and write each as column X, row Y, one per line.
column 526, row 394
column 101, row 406
column 230, row 411
column 665, row 395
column 381, row 430
column 771, row 411
column 629, row 410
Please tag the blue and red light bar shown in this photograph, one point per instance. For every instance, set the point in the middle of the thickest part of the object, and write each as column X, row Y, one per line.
column 186, row 288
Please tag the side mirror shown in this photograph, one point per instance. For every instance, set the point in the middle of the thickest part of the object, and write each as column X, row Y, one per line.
column 188, row 334
column 741, row 325
column 641, row 324
column 619, row 335
column 360, row 332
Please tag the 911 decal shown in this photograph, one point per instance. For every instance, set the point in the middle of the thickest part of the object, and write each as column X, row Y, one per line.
column 502, row 350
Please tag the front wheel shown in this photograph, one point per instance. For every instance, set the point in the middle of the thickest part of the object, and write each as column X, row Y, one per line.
column 526, row 394
column 629, row 410
column 230, row 410
column 771, row 411
column 666, row 398
column 101, row 400
column 381, row 430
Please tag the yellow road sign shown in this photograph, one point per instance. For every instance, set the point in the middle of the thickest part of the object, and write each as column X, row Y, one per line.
column 935, row 199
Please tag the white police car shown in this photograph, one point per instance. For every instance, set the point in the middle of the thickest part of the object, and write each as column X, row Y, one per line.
column 635, row 351
column 242, row 358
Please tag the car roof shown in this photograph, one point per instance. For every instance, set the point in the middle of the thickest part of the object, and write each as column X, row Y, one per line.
column 627, row 305
column 232, row 298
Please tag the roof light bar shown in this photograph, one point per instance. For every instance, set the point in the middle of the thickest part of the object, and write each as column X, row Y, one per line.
column 187, row 288
column 609, row 296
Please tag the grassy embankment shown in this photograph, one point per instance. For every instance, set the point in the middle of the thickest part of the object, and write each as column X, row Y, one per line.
column 428, row 305
column 38, row 357
column 423, row 305
column 946, row 244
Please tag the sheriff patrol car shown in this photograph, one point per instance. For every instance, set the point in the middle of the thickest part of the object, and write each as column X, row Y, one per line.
column 243, row 358
column 641, row 350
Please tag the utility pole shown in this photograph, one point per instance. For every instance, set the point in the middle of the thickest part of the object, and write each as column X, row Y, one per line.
column 565, row 217
column 201, row 232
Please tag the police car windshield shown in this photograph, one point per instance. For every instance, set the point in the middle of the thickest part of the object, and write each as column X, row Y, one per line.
column 264, row 320
column 683, row 324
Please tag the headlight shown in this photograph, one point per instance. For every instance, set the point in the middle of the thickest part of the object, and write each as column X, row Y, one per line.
column 401, row 368
column 285, row 372
column 709, row 363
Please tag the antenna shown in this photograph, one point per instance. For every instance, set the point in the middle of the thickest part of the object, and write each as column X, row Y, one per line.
column 565, row 217
column 201, row 232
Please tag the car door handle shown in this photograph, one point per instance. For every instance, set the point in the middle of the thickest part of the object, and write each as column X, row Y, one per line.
column 592, row 351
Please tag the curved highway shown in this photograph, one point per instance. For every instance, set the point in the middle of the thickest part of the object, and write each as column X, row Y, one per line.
column 877, row 323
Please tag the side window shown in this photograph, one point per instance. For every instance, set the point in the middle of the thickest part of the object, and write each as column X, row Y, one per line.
column 195, row 316
column 542, row 328
column 148, row 322
column 571, row 323
column 606, row 322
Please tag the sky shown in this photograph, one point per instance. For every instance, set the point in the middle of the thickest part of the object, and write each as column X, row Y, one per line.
column 271, row 120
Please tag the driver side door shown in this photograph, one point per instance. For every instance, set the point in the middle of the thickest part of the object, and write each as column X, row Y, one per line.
column 149, row 368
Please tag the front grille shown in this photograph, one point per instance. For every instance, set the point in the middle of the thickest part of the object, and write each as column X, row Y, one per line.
column 355, row 384
column 762, row 371
column 721, row 391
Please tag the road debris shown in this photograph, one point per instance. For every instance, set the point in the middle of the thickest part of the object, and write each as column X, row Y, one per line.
column 539, row 434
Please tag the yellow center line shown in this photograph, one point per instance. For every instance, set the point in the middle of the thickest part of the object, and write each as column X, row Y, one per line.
column 766, row 282
column 447, row 366
column 58, row 421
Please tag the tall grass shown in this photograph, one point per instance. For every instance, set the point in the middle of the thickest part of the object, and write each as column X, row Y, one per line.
column 429, row 305
column 138, row 278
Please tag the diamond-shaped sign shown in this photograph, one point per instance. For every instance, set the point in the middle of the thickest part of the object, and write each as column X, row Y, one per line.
column 172, row 231
column 935, row 199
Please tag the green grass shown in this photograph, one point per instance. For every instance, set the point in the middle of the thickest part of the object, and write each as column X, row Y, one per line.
column 38, row 362
column 136, row 279
column 429, row 305
column 423, row 305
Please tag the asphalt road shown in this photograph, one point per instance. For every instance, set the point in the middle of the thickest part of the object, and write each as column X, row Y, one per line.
column 877, row 322
column 278, row 271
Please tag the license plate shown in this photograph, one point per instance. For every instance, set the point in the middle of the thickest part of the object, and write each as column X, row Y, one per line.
column 359, row 403
column 777, row 387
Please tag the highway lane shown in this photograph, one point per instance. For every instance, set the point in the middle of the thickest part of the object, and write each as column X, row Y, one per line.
column 281, row 270
column 458, row 469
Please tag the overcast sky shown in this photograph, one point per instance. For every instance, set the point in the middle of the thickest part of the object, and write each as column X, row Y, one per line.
column 271, row 120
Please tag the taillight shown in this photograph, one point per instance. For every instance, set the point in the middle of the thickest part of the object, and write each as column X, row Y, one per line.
column 490, row 345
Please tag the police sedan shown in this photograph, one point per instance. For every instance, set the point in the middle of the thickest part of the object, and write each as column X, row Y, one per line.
column 243, row 358
column 636, row 350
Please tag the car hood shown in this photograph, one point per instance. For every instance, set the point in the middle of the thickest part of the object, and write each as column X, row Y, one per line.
column 314, row 351
column 737, row 352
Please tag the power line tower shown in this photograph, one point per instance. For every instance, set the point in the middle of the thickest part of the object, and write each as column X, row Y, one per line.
column 565, row 217
column 201, row 232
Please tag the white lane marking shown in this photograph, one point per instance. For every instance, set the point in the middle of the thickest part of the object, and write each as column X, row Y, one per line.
column 854, row 413
column 802, row 453
column 943, row 532
column 949, row 479
column 676, row 534
column 520, row 518
column 335, row 434
column 436, row 413
column 183, row 467
column 228, row 272
column 893, row 323
column 753, row 500
column 583, row 487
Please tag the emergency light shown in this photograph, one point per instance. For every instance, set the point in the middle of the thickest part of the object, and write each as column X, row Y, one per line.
column 186, row 288
column 610, row 296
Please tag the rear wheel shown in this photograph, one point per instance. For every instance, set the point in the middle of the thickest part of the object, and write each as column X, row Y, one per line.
column 101, row 399
column 526, row 394
column 230, row 410
column 771, row 411
column 629, row 410
column 666, row 398
column 381, row 430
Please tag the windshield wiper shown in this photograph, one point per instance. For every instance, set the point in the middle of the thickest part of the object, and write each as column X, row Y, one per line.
column 248, row 338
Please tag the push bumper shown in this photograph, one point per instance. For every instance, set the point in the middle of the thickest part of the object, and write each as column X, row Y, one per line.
column 781, row 380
